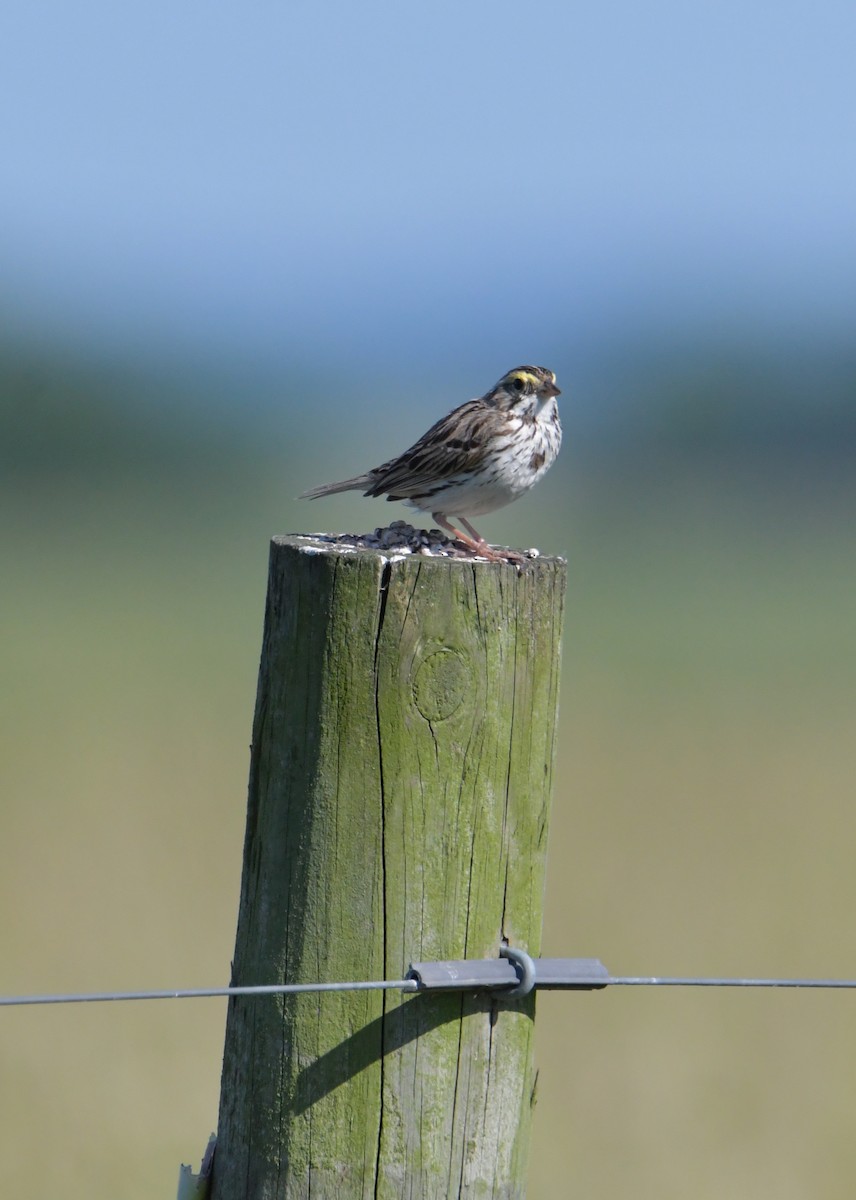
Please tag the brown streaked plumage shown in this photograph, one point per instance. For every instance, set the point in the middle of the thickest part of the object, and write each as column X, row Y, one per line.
column 482, row 456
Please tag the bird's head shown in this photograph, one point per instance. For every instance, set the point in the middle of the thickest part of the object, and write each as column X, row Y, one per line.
column 524, row 389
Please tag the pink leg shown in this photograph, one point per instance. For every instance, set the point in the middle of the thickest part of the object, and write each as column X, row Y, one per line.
column 475, row 541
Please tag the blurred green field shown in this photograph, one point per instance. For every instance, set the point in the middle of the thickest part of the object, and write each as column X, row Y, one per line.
column 704, row 817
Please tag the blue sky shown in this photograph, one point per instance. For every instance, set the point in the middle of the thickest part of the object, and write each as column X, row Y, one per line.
column 436, row 183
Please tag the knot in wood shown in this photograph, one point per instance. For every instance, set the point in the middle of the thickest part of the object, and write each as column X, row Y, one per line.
column 440, row 684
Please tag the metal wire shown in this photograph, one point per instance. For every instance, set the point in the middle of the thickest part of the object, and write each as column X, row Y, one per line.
column 264, row 989
column 406, row 985
column 690, row 981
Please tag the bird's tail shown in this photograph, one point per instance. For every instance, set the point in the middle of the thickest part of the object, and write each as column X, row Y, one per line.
column 358, row 483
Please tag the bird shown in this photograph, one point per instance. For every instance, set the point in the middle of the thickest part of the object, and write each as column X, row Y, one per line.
column 483, row 455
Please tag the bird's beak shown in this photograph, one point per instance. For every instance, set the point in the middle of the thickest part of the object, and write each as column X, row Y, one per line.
column 552, row 390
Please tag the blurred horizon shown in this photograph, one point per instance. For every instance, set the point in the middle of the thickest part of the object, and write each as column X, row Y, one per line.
column 392, row 191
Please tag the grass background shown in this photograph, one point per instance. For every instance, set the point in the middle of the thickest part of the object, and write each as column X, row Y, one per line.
column 704, row 817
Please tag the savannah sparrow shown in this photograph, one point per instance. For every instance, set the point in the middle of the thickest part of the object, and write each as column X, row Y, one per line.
column 482, row 456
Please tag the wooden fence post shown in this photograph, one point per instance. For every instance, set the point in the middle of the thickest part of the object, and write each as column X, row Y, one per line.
column 399, row 797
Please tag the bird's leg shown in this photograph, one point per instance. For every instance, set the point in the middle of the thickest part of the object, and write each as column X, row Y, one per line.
column 475, row 541
column 477, row 544
column 504, row 555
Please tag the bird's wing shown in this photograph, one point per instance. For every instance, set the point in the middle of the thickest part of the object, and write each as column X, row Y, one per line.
column 452, row 446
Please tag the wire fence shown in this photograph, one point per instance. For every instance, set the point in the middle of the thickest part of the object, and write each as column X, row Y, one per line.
column 578, row 982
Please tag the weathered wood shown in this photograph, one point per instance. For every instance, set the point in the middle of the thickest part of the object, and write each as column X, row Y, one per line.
column 398, row 806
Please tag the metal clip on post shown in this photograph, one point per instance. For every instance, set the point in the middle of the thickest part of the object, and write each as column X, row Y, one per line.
column 513, row 975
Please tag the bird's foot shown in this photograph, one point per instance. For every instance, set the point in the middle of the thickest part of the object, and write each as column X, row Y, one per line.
column 475, row 543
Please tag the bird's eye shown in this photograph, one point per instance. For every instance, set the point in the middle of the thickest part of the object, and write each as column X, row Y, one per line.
column 518, row 384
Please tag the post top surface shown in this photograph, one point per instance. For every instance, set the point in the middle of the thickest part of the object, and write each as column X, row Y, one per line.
column 396, row 544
